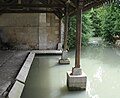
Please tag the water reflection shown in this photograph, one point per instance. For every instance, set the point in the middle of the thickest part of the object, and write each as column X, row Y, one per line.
column 99, row 74
column 47, row 79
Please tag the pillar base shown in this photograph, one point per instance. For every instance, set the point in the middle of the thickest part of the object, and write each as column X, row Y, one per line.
column 59, row 47
column 64, row 58
column 64, row 61
column 76, row 82
column 76, row 71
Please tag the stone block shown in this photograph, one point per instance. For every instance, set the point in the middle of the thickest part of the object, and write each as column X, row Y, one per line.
column 19, row 37
column 56, row 32
column 64, row 55
column 19, row 20
column 30, row 31
column 76, row 82
column 59, row 46
column 64, row 61
column 48, row 24
column 43, row 18
column 76, row 71
column 16, row 90
column 64, row 58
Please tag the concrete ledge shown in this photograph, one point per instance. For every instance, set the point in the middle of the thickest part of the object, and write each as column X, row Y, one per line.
column 47, row 51
column 22, row 75
column 64, row 61
column 18, row 86
column 76, row 82
column 16, row 90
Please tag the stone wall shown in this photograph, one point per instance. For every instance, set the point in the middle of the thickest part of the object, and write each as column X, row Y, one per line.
column 29, row 31
column 48, row 31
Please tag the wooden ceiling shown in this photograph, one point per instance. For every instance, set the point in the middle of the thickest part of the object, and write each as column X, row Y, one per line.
column 47, row 6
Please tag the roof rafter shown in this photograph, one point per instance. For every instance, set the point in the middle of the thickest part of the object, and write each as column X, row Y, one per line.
column 91, row 4
column 28, row 11
column 48, row 6
column 33, row 5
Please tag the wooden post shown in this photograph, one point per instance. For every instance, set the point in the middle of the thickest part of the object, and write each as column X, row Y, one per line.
column 66, row 28
column 59, row 30
column 78, row 33
column 75, row 76
column 64, row 58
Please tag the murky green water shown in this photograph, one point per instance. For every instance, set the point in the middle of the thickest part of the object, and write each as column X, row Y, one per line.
column 47, row 79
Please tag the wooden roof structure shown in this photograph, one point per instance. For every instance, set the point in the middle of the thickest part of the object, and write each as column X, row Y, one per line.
column 47, row 6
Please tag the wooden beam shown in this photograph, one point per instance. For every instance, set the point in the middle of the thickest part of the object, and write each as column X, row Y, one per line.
column 89, row 5
column 72, row 4
column 17, row 8
column 8, row 1
column 93, row 4
column 60, row 30
column 66, row 27
column 27, row 11
column 59, row 15
column 60, row 2
column 63, row 2
column 33, row 5
column 26, row 1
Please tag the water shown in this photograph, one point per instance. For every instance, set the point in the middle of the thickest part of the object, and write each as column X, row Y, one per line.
column 47, row 79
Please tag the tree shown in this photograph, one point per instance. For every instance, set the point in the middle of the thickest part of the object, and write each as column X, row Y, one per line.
column 95, row 23
column 86, row 30
column 111, row 24
column 72, row 30
column 103, row 21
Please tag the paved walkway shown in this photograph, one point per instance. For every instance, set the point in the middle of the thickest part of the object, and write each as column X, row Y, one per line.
column 10, row 64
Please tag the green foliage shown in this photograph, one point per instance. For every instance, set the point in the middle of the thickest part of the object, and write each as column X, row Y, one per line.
column 111, row 24
column 101, row 22
column 72, row 30
column 86, row 31
column 95, row 23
